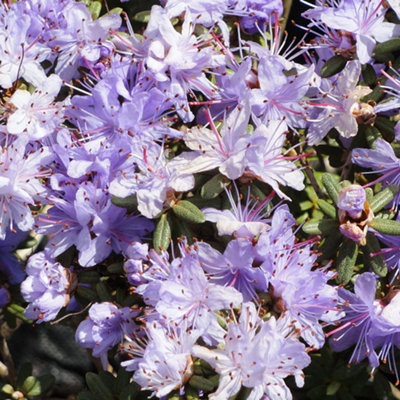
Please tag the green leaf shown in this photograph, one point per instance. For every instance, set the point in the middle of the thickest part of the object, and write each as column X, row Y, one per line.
column 86, row 293
column 346, row 260
column 327, row 208
column 385, row 125
column 370, row 194
column 95, row 9
column 188, row 211
column 389, row 46
column 130, row 202
column 200, row 383
column 8, row 389
column 191, row 394
column 88, row 276
column 31, row 386
column 162, row 234
column 116, row 268
column 109, row 380
column 382, row 198
column 333, row 66
column 368, row 74
column 320, row 226
column 376, row 263
column 331, row 186
column 371, row 134
column 332, row 388
column 214, row 187
column 97, row 387
column 115, row 10
column 103, row 292
column 142, row 16
column 387, row 226
column 86, row 396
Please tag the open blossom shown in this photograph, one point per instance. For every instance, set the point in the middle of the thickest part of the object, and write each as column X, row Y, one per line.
column 86, row 218
column 36, row 113
column 278, row 94
column 19, row 184
column 164, row 363
column 47, row 287
column 153, row 178
column 340, row 105
column 257, row 355
column 266, row 162
column 20, row 52
column 106, row 326
column 82, row 40
column 233, row 268
column 382, row 160
column 225, row 150
column 189, row 296
column 362, row 19
column 369, row 323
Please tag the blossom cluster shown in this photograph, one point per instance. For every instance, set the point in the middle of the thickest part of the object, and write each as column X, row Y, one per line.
column 162, row 170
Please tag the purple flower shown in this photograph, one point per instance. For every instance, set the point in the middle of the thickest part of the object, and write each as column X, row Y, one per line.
column 300, row 292
column 257, row 355
column 153, row 177
column 82, row 39
column 369, row 323
column 86, row 218
column 266, row 162
column 243, row 221
column 234, row 268
column 106, row 327
column 36, row 113
column 351, row 200
column 225, row 150
column 259, row 12
column 363, row 19
column 340, row 105
column 47, row 287
column 280, row 95
column 163, row 362
column 383, row 161
column 20, row 53
column 189, row 296
column 19, row 184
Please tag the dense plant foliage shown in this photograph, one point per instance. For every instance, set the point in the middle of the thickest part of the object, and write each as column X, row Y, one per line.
column 208, row 204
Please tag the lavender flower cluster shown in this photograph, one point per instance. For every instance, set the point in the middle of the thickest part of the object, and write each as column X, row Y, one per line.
column 164, row 172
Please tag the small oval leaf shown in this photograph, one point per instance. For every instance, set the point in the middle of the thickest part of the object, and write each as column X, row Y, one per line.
column 333, row 66
column 331, row 186
column 386, row 226
column 346, row 260
column 214, row 187
column 162, row 234
column 186, row 210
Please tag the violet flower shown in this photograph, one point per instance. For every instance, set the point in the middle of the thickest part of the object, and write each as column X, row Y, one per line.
column 257, row 355
column 383, row 161
column 106, row 326
column 369, row 323
column 162, row 362
column 47, row 287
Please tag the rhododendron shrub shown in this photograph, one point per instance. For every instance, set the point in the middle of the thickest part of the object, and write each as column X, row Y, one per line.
column 207, row 204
